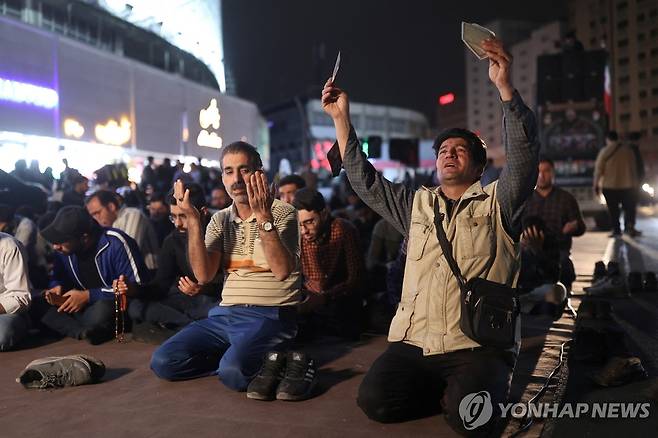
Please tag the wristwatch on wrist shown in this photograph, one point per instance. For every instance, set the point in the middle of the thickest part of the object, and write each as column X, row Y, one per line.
column 266, row 226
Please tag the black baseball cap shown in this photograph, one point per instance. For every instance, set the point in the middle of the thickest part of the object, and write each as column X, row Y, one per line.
column 70, row 223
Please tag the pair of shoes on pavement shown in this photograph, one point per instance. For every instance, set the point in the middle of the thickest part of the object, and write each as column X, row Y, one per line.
column 61, row 371
column 609, row 286
column 632, row 232
column 602, row 271
column 289, row 377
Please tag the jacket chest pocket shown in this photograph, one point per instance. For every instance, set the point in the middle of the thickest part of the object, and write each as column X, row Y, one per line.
column 418, row 235
column 474, row 235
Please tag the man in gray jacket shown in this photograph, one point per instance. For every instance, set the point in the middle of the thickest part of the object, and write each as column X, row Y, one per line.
column 430, row 362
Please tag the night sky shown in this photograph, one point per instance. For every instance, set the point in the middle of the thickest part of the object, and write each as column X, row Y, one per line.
column 403, row 53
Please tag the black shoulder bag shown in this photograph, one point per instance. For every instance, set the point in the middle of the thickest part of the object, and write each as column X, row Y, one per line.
column 489, row 310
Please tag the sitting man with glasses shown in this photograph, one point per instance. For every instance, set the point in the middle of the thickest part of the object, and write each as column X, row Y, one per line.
column 175, row 298
column 332, row 266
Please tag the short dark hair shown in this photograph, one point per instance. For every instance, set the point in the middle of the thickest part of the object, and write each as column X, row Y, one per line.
column 612, row 135
column 309, row 199
column 293, row 179
column 105, row 197
column 547, row 160
column 157, row 197
column 197, row 196
column 475, row 144
column 244, row 148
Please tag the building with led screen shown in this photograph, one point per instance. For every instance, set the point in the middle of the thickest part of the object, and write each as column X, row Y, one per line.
column 100, row 81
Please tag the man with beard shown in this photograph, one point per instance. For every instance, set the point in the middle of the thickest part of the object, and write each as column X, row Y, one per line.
column 561, row 215
column 332, row 265
column 219, row 199
column 89, row 260
column 255, row 242
column 159, row 216
column 175, row 298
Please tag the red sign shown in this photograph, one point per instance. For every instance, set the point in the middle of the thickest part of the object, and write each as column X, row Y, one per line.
column 446, row 99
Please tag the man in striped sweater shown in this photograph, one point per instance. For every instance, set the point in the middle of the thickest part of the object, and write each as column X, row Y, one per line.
column 255, row 242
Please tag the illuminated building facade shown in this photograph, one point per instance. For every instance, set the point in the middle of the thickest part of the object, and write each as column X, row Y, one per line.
column 80, row 83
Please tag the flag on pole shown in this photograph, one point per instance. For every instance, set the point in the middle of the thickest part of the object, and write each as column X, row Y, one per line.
column 607, row 89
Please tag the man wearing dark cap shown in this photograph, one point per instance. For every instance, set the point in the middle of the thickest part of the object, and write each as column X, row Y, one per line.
column 89, row 259
column 332, row 265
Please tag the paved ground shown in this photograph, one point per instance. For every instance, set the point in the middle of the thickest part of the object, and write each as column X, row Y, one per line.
column 637, row 316
column 131, row 401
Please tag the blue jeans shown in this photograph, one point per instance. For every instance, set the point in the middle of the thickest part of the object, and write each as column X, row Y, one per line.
column 230, row 343
column 13, row 329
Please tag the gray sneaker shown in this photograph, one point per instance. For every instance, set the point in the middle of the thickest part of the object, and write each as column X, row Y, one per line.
column 61, row 371
column 612, row 286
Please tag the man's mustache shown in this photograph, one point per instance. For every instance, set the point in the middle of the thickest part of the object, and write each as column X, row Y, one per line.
column 238, row 186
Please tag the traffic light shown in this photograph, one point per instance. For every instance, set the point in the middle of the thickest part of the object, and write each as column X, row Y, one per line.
column 374, row 146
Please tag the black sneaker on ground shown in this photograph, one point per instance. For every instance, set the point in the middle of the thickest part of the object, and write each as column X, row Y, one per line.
column 61, row 371
column 633, row 232
column 263, row 386
column 600, row 271
column 613, row 269
column 299, row 380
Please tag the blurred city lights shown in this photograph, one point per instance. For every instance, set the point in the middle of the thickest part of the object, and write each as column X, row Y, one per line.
column 209, row 117
column 446, row 99
column 113, row 132
column 647, row 188
column 73, row 128
column 21, row 92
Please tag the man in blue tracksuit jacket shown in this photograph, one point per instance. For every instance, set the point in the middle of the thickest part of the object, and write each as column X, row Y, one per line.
column 89, row 259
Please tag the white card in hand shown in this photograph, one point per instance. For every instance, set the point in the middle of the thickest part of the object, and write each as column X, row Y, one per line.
column 472, row 35
column 336, row 67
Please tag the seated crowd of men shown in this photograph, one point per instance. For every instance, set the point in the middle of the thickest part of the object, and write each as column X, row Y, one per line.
column 105, row 240
column 235, row 293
